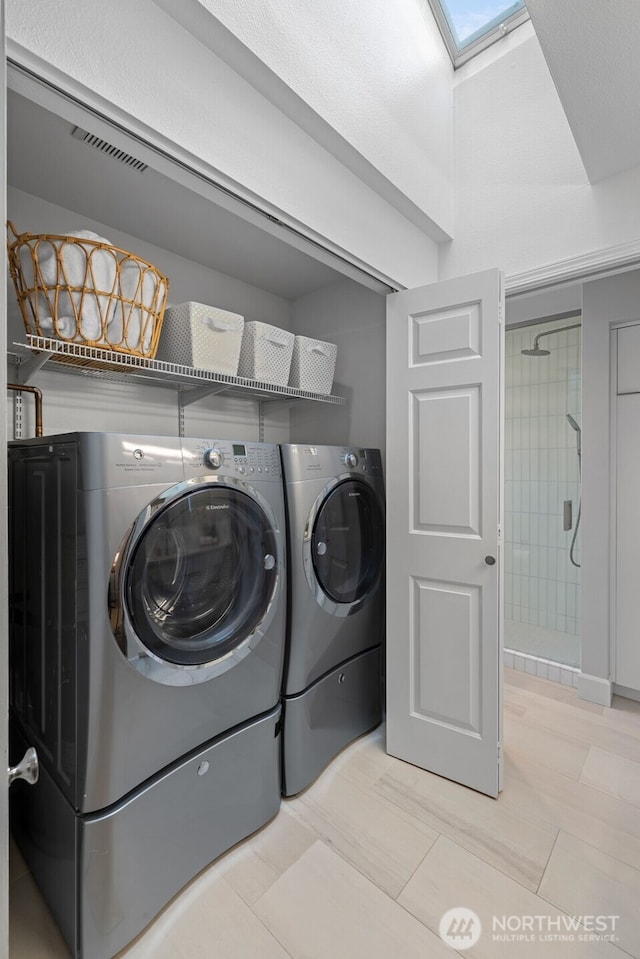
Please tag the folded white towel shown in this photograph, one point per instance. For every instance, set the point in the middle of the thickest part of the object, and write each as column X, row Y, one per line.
column 34, row 284
column 133, row 325
column 89, row 271
column 65, row 326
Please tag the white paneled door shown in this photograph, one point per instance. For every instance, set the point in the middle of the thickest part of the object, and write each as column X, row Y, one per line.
column 444, row 482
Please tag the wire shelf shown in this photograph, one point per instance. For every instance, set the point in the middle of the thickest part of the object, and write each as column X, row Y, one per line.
column 92, row 361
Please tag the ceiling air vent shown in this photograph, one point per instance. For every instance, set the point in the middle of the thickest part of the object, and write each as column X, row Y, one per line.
column 93, row 141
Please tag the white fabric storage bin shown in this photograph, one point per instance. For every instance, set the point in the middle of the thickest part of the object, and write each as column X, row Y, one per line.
column 313, row 365
column 266, row 353
column 205, row 337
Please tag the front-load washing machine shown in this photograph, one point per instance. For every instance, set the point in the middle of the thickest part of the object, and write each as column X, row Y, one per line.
column 148, row 589
column 332, row 683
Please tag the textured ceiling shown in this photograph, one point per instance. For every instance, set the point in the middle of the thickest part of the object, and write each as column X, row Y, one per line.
column 591, row 48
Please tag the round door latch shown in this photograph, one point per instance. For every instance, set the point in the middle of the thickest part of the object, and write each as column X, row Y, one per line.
column 203, row 768
column 269, row 561
column 321, row 548
column 490, row 560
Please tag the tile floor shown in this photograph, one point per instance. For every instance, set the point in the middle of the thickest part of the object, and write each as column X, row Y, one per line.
column 369, row 858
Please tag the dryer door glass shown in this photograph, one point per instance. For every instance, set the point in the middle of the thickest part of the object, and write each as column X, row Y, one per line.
column 202, row 576
column 347, row 543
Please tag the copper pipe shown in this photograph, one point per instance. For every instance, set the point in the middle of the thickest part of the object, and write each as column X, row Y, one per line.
column 21, row 388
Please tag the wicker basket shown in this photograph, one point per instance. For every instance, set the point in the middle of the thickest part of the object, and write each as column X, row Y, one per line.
column 81, row 289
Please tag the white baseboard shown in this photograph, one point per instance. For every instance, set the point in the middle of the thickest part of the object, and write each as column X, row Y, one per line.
column 595, row 689
column 626, row 691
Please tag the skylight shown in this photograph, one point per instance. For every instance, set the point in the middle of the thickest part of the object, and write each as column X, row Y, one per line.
column 468, row 26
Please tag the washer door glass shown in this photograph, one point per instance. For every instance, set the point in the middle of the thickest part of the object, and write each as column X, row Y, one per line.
column 202, row 576
column 347, row 544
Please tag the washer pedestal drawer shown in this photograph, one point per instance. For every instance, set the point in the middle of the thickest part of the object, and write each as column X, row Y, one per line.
column 331, row 713
column 107, row 875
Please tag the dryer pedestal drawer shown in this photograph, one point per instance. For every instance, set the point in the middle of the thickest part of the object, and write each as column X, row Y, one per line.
column 319, row 722
column 132, row 858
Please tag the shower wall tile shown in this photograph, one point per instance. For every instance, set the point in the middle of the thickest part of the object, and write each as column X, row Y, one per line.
column 542, row 587
column 554, row 673
column 508, row 461
column 508, row 495
column 562, row 602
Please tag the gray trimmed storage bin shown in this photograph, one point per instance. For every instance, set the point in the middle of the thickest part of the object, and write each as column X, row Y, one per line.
column 266, row 353
column 201, row 336
column 313, row 364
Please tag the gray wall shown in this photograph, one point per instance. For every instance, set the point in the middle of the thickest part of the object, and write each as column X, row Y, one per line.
column 353, row 318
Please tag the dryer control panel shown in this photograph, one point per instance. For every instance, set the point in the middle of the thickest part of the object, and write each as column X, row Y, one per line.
column 362, row 460
column 304, row 461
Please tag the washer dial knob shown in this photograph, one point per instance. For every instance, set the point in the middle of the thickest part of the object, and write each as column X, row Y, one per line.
column 351, row 460
column 213, row 458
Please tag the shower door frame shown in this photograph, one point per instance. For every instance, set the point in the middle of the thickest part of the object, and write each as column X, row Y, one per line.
column 545, row 666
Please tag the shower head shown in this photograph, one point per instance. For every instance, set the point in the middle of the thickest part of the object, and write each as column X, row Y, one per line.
column 537, row 350
column 573, row 424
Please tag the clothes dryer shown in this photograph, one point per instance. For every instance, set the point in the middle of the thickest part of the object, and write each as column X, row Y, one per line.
column 332, row 685
column 148, row 587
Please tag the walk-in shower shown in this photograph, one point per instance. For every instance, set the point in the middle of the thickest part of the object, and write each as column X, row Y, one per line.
column 542, row 490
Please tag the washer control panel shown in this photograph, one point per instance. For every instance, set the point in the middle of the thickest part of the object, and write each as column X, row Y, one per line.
column 256, row 459
column 213, row 458
column 247, row 460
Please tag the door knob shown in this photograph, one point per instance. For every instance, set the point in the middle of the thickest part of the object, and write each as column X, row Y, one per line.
column 490, row 560
column 28, row 768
